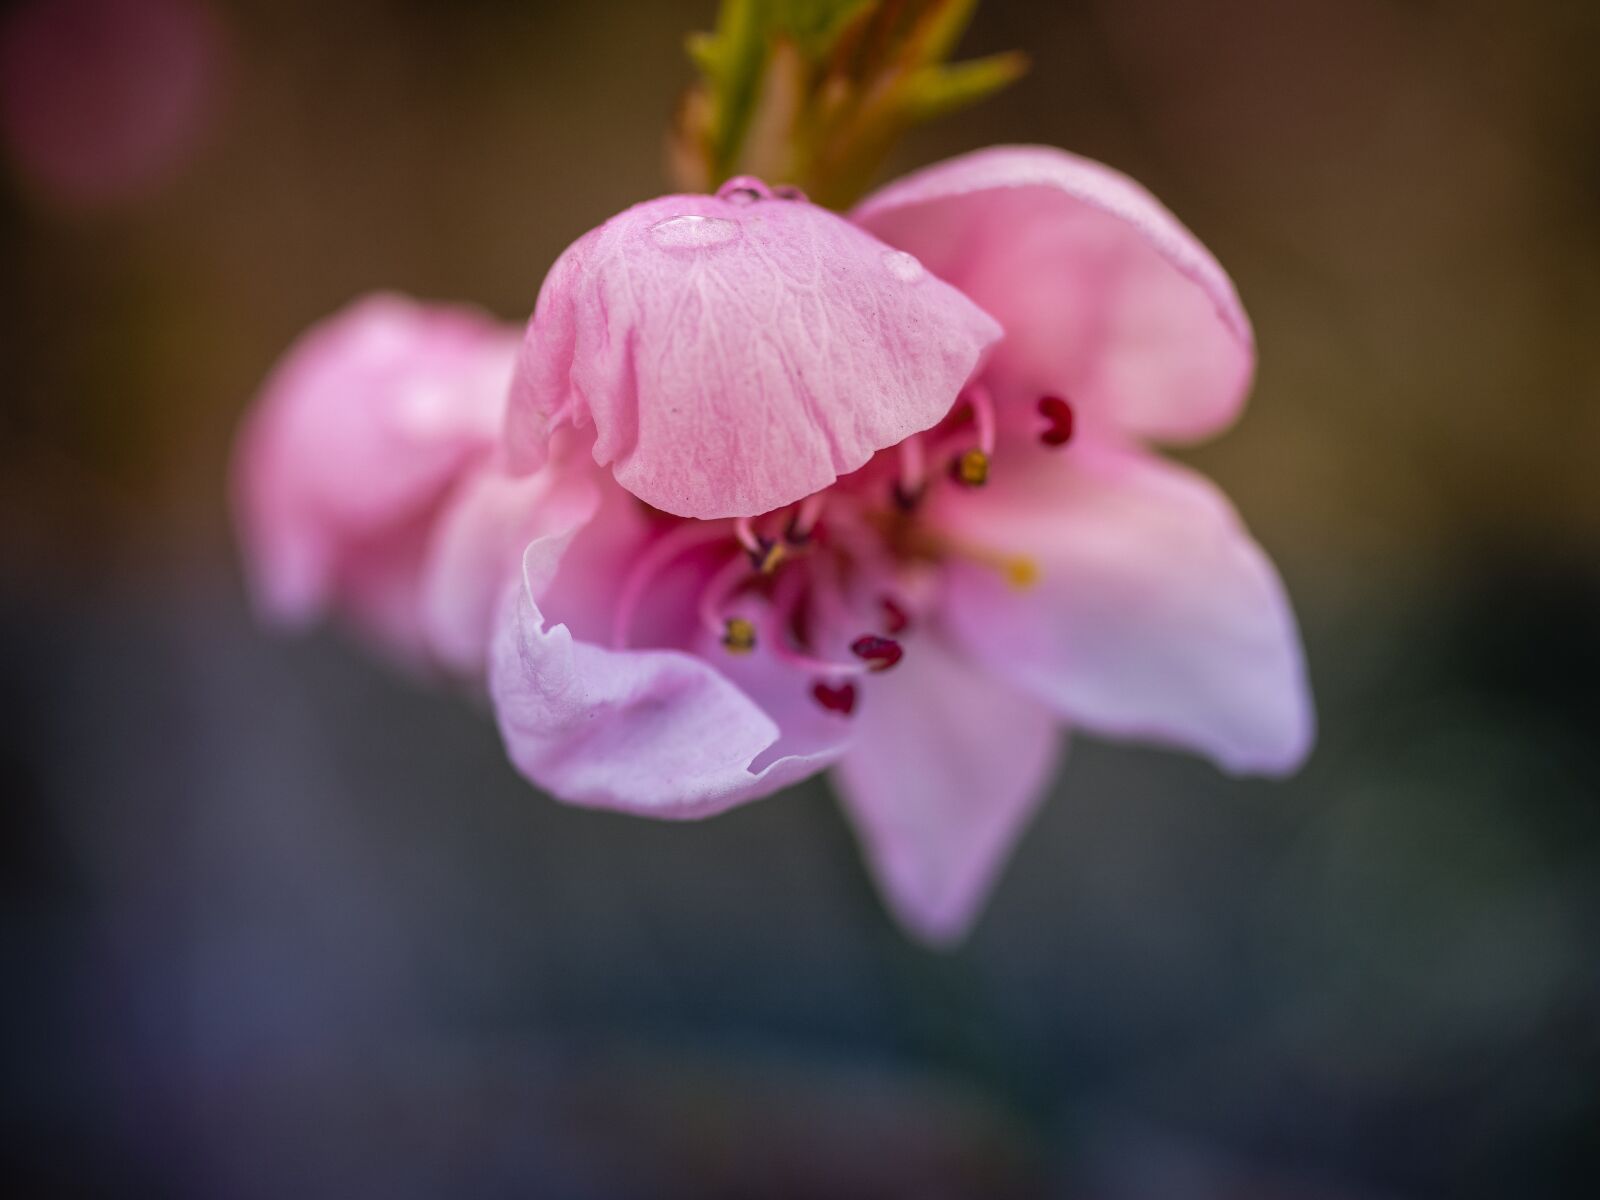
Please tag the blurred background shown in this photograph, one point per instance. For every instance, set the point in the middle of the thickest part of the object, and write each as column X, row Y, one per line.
column 276, row 922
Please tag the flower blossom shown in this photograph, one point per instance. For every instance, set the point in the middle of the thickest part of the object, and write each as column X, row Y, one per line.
column 782, row 491
column 371, row 423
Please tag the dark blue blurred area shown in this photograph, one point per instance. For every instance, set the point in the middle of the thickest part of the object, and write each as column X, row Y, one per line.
column 275, row 922
column 280, row 926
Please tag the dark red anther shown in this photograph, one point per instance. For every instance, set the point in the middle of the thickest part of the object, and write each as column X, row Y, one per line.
column 841, row 699
column 879, row 653
column 906, row 500
column 1059, row 414
column 895, row 618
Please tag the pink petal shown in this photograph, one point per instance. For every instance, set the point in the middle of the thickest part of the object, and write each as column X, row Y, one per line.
column 1156, row 616
column 367, row 422
column 736, row 357
column 1105, row 298
column 477, row 548
column 948, row 765
column 655, row 732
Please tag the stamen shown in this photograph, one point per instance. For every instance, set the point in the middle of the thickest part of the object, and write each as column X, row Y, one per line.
column 876, row 653
column 736, row 633
column 805, row 520
column 879, row 653
column 745, row 531
column 1061, row 421
column 840, row 699
column 913, row 471
column 971, row 468
column 766, row 554
column 773, row 557
column 1020, row 571
column 676, row 541
column 896, row 619
column 785, row 653
column 983, row 413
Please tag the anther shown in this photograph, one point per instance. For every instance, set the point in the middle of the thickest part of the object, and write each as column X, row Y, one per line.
column 971, row 468
column 840, row 699
column 904, row 498
column 766, row 554
column 738, row 636
column 1059, row 415
column 1020, row 572
column 769, row 555
column 895, row 618
column 879, row 653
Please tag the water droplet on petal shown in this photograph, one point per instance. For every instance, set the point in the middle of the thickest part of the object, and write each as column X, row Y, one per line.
column 743, row 189
column 694, row 232
column 903, row 266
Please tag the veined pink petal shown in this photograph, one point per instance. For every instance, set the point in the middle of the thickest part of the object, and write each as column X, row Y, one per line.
column 364, row 426
column 947, row 766
column 1155, row 615
column 477, row 546
column 734, row 357
column 658, row 732
column 1106, row 299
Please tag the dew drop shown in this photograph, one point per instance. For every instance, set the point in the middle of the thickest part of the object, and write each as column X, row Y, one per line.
column 744, row 189
column 694, row 232
column 903, row 266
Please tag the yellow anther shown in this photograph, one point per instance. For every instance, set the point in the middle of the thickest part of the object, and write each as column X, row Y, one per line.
column 972, row 468
column 739, row 636
column 772, row 557
column 1021, row 572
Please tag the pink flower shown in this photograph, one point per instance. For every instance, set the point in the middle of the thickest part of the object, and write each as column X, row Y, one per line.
column 375, row 420
column 927, row 619
column 782, row 491
column 734, row 355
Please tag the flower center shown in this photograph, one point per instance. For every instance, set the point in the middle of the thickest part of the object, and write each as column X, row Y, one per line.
column 796, row 579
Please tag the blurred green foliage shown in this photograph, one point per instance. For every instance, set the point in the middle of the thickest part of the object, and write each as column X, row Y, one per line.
column 816, row 92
